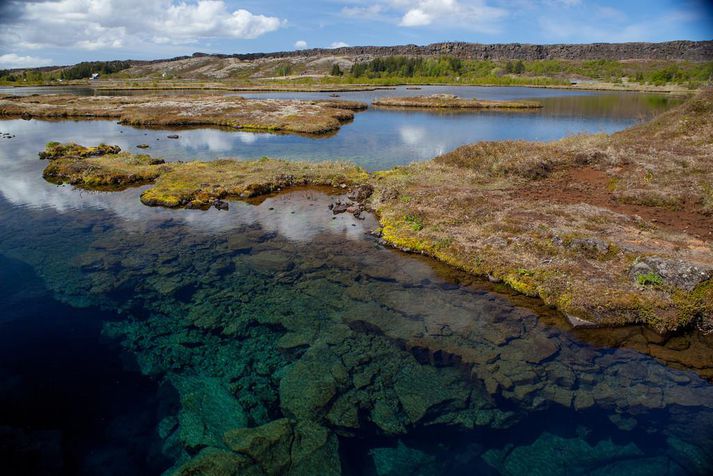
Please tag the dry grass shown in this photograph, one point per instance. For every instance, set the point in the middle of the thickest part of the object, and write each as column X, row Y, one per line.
column 566, row 220
column 448, row 101
column 272, row 115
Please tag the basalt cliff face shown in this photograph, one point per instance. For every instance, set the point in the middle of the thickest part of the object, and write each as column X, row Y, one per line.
column 671, row 50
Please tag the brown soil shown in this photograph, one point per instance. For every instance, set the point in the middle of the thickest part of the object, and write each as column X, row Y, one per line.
column 591, row 186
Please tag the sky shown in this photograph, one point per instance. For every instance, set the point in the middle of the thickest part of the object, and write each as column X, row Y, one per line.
column 58, row 32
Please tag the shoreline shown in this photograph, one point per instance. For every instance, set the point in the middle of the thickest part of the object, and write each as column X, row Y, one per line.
column 366, row 87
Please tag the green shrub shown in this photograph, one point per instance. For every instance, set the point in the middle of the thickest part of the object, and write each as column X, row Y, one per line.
column 649, row 279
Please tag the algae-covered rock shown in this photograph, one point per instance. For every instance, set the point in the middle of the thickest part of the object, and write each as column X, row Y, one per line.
column 309, row 384
column 417, row 397
column 403, row 460
column 553, row 455
column 315, row 450
column 268, row 445
column 283, row 447
column 208, row 410
column 217, row 462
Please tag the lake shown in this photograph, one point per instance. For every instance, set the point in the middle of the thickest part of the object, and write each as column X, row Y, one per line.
column 136, row 340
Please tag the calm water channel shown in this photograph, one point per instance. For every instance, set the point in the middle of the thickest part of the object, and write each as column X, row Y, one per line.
column 137, row 340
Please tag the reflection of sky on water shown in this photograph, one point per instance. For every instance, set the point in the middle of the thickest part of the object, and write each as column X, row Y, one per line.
column 376, row 139
column 299, row 216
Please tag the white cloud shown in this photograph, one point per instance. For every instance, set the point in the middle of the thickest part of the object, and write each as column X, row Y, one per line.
column 100, row 24
column 300, row 44
column 11, row 60
column 416, row 17
column 368, row 12
column 475, row 15
column 338, row 44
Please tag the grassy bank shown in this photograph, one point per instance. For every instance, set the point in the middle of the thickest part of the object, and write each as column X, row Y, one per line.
column 611, row 230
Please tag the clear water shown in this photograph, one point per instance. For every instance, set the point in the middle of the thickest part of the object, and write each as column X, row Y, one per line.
column 133, row 339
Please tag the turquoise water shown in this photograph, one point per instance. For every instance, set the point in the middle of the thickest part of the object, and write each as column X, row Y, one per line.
column 141, row 340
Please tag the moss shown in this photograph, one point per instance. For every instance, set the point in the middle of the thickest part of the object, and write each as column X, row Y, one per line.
column 649, row 279
column 195, row 184
column 414, row 221
column 696, row 306
column 55, row 150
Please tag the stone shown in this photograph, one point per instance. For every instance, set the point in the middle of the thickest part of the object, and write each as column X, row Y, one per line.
column 402, row 460
column 589, row 246
column 678, row 273
column 208, row 410
column 221, row 204
column 217, row 462
column 361, row 193
column 308, row 386
column 269, row 445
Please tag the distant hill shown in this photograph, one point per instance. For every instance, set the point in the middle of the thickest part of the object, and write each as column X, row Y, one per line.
column 319, row 62
column 670, row 50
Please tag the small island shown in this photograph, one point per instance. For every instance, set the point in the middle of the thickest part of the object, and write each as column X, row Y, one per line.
column 450, row 101
column 235, row 112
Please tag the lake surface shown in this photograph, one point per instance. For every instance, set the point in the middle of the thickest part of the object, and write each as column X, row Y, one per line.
column 134, row 340
column 377, row 139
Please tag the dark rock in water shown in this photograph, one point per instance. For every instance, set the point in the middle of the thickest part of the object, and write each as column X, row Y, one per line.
column 216, row 461
column 678, row 273
column 403, row 460
column 172, row 136
column 208, row 410
column 554, row 455
column 240, row 243
column 221, row 205
column 276, row 448
column 361, row 193
column 269, row 444
column 339, row 208
column 143, row 146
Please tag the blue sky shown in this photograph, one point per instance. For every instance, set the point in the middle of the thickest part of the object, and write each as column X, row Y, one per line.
column 43, row 32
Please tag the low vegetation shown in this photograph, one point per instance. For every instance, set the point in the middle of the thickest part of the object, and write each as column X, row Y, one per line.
column 204, row 71
column 611, row 230
column 188, row 184
column 656, row 73
column 289, row 116
column 448, row 101
column 545, row 218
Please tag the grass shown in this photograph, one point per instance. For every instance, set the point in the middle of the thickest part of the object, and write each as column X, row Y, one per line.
column 510, row 210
